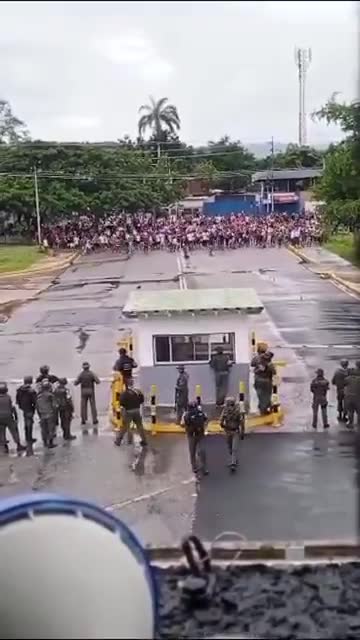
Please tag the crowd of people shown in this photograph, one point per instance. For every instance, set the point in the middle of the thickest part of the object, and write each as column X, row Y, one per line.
column 145, row 232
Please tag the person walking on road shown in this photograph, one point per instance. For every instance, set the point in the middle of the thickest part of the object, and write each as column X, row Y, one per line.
column 181, row 393
column 194, row 421
column 338, row 380
column 352, row 394
column 131, row 400
column 221, row 364
column 125, row 364
column 87, row 380
column 8, row 420
column 47, row 409
column 232, row 420
column 65, row 407
column 26, row 401
column 319, row 388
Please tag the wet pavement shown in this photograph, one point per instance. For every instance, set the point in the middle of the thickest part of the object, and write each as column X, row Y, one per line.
column 305, row 480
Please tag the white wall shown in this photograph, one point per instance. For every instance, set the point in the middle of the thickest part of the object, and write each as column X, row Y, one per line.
column 146, row 328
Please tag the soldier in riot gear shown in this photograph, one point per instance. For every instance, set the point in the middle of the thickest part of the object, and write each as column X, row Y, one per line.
column 65, row 407
column 232, row 421
column 26, row 401
column 181, row 392
column 125, row 364
column 46, row 375
column 264, row 371
column 338, row 380
column 221, row 364
column 8, row 420
column 319, row 388
column 194, row 421
column 46, row 408
column 87, row 380
column 352, row 394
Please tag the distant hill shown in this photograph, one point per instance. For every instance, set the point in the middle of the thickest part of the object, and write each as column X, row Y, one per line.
column 262, row 149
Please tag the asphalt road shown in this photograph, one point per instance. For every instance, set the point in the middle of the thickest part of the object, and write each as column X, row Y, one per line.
column 290, row 484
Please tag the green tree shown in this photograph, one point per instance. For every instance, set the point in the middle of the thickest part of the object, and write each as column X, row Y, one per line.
column 340, row 184
column 159, row 117
column 12, row 129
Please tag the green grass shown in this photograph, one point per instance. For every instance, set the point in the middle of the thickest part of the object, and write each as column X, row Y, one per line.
column 343, row 245
column 17, row 258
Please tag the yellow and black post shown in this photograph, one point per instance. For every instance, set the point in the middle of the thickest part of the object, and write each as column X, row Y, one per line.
column 198, row 394
column 242, row 408
column 275, row 401
column 153, row 405
column 131, row 345
column 253, row 342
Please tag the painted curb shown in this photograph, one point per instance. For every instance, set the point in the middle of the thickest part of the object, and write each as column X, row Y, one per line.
column 345, row 283
column 299, row 254
column 45, row 270
column 266, row 551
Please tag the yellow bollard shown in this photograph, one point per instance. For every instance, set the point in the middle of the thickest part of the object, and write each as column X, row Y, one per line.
column 198, row 393
column 242, row 408
column 275, row 401
column 117, row 388
column 153, row 404
column 253, row 342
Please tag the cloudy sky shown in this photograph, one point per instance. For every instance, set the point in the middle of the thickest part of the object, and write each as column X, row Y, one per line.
column 80, row 70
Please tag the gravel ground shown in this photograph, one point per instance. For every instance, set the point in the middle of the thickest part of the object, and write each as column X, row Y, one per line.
column 266, row 602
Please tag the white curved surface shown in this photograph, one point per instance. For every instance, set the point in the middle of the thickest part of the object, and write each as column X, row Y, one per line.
column 68, row 577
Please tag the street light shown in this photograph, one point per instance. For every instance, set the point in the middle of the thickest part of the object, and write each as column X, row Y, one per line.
column 37, row 206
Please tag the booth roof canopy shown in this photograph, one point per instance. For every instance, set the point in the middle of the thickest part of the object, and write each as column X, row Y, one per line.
column 192, row 300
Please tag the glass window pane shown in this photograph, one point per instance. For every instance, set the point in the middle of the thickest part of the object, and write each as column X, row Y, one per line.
column 224, row 340
column 201, row 347
column 162, row 349
column 182, row 349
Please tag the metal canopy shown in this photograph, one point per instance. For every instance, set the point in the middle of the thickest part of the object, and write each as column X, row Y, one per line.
column 179, row 301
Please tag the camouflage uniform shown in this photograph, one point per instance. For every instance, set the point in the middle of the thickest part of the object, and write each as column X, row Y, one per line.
column 264, row 371
column 338, row 380
column 319, row 388
column 232, row 421
column 194, row 422
column 220, row 363
column 181, row 393
column 47, row 410
column 352, row 394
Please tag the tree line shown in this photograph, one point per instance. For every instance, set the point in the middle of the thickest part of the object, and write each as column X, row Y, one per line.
column 146, row 172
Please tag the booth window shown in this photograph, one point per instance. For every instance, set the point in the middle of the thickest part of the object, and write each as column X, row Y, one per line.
column 192, row 348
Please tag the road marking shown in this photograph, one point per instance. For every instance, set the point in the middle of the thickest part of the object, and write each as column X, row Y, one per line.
column 147, row 496
column 291, row 345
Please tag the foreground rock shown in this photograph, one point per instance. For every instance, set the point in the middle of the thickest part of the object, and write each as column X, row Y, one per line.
column 266, row 602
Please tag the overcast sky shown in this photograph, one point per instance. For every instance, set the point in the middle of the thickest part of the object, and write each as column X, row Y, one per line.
column 80, row 70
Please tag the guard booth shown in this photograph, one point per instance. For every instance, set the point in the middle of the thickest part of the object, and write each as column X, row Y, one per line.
column 184, row 327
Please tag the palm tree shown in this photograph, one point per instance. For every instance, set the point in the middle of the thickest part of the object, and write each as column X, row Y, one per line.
column 159, row 117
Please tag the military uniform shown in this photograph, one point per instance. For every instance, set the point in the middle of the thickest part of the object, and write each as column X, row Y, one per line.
column 352, row 394
column 26, row 401
column 338, row 380
column 221, row 364
column 319, row 388
column 65, row 408
column 264, row 371
column 125, row 364
column 181, row 393
column 87, row 380
column 131, row 400
column 46, row 408
column 8, row 420
column 232, row 421
column 194, row 421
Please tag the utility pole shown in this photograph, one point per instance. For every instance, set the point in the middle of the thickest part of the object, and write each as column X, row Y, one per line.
column 302, row 60
column 37, row 206
column 272, row 149
column 158, row 146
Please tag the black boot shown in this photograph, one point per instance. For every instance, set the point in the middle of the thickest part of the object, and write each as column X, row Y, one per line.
column 51, row 444
column 20, row 447
column 67, row 435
